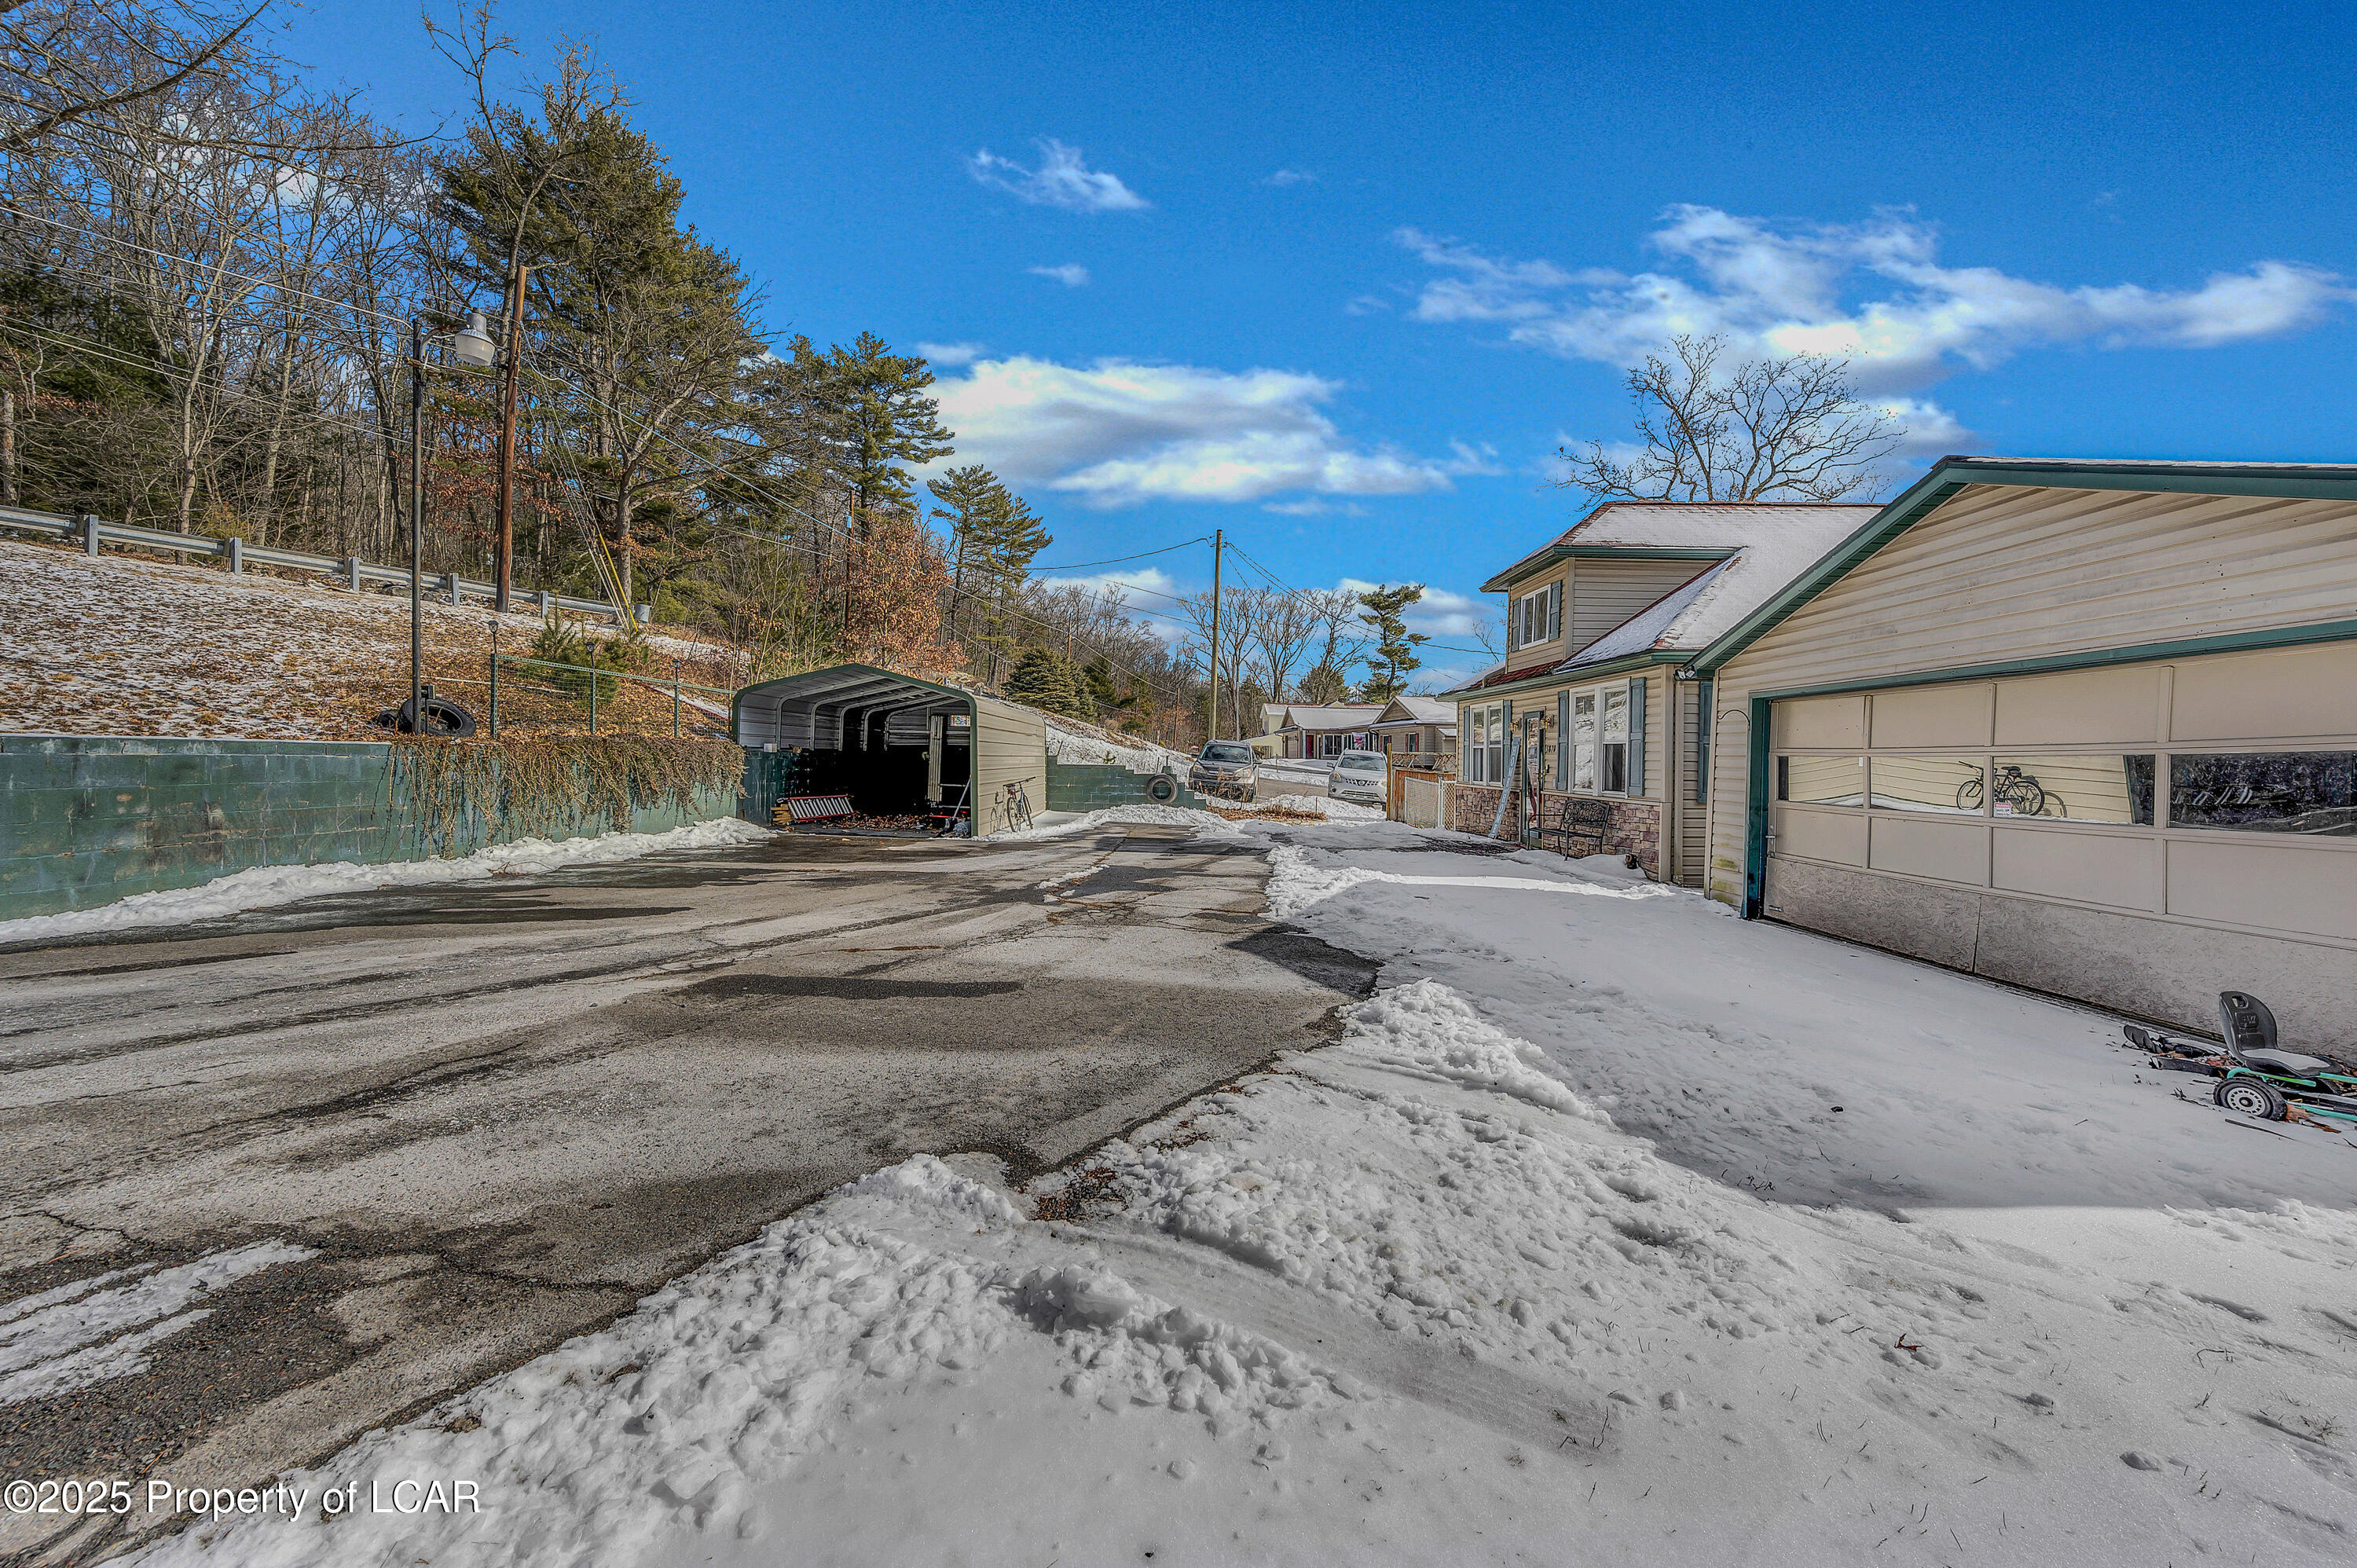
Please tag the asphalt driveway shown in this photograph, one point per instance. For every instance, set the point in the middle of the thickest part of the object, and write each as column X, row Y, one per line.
column 468, row 1123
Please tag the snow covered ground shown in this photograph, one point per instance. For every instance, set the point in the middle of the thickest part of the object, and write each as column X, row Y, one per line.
column 137, row 645
column 263, row 886
column 1071, row 743
column 1612, row 1229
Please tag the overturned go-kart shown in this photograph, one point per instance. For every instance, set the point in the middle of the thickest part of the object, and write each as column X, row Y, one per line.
column 2255, row 1076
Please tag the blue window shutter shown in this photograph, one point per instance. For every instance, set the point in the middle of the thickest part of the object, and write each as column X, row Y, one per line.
column 1701, row 745
column 1563, row 740
column 1555, row 609
column 1637, row 735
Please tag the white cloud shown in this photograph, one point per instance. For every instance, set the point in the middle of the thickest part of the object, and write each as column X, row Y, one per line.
column 1071, row 274
column 951, row 353
column 1286, row 177
column 1313, row 508
column 1874, row 292
column 1441, row 615
column 1117, row 432
column 1062, row 179
column 1151, row 579
column 1932, row 430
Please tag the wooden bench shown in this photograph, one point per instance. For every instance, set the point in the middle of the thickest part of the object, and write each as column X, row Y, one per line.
column 1580, row 820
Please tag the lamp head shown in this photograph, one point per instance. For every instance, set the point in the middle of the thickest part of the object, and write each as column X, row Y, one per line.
column 474, row 343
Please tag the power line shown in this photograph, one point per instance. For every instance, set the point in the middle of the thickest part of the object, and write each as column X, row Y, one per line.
column 1076, row 565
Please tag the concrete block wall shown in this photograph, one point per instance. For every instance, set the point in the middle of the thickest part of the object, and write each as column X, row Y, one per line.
column 86, row 820
column 1093, row 787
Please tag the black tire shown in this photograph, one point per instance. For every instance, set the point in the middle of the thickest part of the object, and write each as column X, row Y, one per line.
column 2250, row 1096
column 1162, row 788
column 443, row 717
column 1968, row 795
column 2029, row 800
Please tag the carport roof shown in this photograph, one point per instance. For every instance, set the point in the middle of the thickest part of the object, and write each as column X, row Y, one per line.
column 843, row 685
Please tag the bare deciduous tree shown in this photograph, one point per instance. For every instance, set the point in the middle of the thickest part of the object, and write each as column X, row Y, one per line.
column 1284, row 625
column 66, row 62
column 1789, row 429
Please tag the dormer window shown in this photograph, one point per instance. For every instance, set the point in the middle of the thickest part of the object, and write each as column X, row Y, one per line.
column 1536, row 616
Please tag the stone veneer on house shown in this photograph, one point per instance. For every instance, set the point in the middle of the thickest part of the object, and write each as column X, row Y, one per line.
column 1635, row 827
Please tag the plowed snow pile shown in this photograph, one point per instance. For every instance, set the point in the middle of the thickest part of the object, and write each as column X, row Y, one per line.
column 1612, row 1230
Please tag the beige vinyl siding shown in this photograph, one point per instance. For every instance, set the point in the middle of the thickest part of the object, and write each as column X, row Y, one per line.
column 1525, row 653
column 1010, row 744
column 1603, row 595
column 2149, row 917
column 2003, row 573
column 1689, row 816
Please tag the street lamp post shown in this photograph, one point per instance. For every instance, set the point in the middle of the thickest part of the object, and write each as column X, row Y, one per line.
column 507, row 435
column 416, row 525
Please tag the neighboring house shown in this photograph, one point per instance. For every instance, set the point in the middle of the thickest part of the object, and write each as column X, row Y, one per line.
column 2089, row 727
column 1597, row 624
column 1416, row 726
column 1310, row 730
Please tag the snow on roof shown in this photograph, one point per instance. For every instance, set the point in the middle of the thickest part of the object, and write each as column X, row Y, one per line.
column 1709, row 525
column 1647, row 629
column 1692, row 525
column 1772, row 546
column 1422, row 709
column 1333, row 716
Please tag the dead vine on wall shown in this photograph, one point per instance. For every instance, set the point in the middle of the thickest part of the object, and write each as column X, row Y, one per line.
column 556, row 786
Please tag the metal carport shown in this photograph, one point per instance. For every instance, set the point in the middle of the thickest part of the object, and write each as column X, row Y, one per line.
column 892, row 742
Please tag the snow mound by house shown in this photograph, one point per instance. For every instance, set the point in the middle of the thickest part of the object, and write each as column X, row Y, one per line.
column 261, row 887
column 1145, row 814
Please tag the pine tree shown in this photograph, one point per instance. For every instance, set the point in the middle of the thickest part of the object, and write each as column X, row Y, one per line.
column 1097, row 675
column 642, row 330
column 995, row 538
column 886, row 420
column 1395, row 658
column 1044, row 678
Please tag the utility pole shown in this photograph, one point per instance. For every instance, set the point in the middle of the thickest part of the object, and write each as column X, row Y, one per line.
column 1219, row 544
column 507, row 436
column 416, row 524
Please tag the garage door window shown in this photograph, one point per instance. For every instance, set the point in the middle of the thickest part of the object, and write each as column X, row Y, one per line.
column 2310, row 792
column 1950, row 784
column 2107, row 789
column 1821, row 780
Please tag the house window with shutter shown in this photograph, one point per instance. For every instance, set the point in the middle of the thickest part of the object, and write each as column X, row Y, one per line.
column 1605, row 740
column 1535, row 616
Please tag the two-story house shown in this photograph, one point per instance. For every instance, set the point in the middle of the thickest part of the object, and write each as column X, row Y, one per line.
column 1587, row 702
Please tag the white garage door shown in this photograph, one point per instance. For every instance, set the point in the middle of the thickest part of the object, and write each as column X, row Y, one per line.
column 2200, row 813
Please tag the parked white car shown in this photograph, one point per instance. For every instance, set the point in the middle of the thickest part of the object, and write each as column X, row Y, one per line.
column 1359, row 776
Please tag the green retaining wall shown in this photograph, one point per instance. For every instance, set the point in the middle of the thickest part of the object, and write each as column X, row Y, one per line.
column 86, row 820
column 1093, row 785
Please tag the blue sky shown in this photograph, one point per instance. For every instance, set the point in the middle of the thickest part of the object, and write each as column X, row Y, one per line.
column 1339, row 279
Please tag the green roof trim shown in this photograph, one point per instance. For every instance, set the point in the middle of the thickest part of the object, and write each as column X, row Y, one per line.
column 1549, row 555
column 1558, row 676
column 2292, row 482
